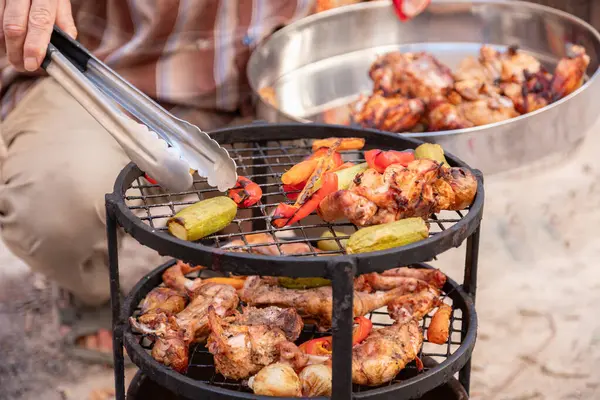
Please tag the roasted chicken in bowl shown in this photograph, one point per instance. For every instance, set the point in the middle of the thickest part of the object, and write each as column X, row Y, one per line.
column 416, row 92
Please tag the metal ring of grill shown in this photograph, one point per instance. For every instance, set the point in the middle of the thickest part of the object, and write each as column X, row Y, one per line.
column 202, row 377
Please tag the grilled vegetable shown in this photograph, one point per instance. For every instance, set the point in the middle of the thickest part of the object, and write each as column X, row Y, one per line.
column 431, row 151
column 203, row 218
column 439, row 328
column 386, row 236
column 379, row 160
column 323, row 346
column 237, row 283
column 346, row 143
column 329, row 186
column 316, row 380
column 245, row 193
column 278, row 380
column 300, row 172
column 346, row 175
column 331, row 244
column 302, row 283
column 293, row 191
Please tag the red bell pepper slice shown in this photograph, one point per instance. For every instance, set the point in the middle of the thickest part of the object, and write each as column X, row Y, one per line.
column 365, row 326
column 294, row 189
column 318, row 347
column 330, row 185
column 245, row 193
column 408, row 9
column 379, row 160
column 322, row 152
column 152, row 181
column 323, row 346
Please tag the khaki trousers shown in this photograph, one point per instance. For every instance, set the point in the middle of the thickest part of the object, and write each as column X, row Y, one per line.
column 56, row 165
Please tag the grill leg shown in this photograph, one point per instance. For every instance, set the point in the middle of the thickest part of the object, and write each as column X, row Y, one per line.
column 470, row 286
column 115, row 300
column 342, row 275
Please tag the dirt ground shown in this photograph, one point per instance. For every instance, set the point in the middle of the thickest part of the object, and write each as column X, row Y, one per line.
column 539, row 287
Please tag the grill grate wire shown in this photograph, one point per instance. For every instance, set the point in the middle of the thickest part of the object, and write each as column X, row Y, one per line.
column 264, row 163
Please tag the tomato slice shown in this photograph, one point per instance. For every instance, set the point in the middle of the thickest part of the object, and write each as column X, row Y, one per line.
column 408, row 9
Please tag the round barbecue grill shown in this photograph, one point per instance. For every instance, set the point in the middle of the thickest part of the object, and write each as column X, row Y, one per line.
column 262, row 153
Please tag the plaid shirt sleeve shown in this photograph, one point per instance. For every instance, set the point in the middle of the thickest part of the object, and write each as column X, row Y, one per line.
column 180, row 52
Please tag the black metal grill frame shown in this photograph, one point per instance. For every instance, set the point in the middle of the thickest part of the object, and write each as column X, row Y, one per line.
column 341, row 269
column 202, row 377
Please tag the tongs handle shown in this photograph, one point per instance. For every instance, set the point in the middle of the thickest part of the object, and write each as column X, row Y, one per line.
column 72, row 66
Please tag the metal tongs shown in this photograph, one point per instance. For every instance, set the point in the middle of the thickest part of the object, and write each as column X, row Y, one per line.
column 163, row 146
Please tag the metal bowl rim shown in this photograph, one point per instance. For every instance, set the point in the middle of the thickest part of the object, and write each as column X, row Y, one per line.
column 454, row 132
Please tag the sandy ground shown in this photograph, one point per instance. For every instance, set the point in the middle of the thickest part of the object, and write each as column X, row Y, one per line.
column 539, row 287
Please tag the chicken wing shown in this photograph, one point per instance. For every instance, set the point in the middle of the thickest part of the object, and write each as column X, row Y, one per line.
column 175, row 276
column 241, row 350
column 264, row 244
column 286, row 319
column 414, row 305
column 311, row 303
column 415, row 75
column 385, row 352
column 388, row 113
column 174, row 334
column 434, row 277
column 161, row 300
column 569, row 73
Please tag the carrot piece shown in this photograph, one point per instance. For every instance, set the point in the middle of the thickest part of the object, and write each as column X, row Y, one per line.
column 439, row 328
column 299, row 172
column 346, row 143
column 235, row 282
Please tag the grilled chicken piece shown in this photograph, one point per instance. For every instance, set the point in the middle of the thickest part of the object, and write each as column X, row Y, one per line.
column 434, row 277
column 175, row 276
column 415, row 75
column 286, row 319
column 264, row 244
column 346, row 204
column 443, row 115
column 388, row 113
column 418, row 190
column 532, row 94
column 385, row 352
column 488, row 110
column 375, row 281
column 161, row 300
column 569, row 73
column 241, row 350
column 414, row 305
column 313, row 303
column 174, row 334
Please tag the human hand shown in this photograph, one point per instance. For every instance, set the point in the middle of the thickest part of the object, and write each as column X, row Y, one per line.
column 27, row 27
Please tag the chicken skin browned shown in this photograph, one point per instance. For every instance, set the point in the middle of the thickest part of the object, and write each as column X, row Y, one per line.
column 422, row 188
column 392, row 114
column 161, row 300
column 241, row 350
column 434, row 277
column 264, row 244
column 286, row 319
column 415, row 75
column 414, row 305
column 174, row 334
column 311, row 303
column 570, row 72
column 415, row 92
column 385, row 352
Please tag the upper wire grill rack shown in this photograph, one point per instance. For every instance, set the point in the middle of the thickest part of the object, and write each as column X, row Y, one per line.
column 263, row 163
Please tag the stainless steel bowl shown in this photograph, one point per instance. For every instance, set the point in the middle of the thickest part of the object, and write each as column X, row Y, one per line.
column 321, row 62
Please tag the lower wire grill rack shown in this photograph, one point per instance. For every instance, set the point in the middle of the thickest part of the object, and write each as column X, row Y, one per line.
column 448, row 357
